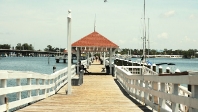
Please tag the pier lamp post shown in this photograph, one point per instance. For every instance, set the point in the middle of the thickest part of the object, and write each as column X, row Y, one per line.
column 69, row 52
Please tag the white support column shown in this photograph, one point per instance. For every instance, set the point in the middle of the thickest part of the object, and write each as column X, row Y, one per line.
column 78, row 59
column 194, row 91
column 69, row 52
column 19, row 93
column 175, row 106
column 88, row 60
column 104, row 59
column 91, row 55
column 110, row 60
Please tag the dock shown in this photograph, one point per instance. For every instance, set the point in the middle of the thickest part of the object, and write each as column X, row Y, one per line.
column 97, row 93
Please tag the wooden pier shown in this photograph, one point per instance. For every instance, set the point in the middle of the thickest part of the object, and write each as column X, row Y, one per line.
column 97, row 93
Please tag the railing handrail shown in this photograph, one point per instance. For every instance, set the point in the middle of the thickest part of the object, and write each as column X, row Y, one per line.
column 50, row 84
column 141, row 87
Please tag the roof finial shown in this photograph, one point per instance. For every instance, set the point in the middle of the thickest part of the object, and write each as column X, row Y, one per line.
column 95, row 23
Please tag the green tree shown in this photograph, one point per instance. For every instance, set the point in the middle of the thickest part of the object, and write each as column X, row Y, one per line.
column 24, row 46
column 50, row 48
column 5, row 46
column 18, row 47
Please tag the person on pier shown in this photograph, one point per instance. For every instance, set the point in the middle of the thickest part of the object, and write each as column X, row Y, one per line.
column 82, row 67
column 54, row 68
column 85, row 69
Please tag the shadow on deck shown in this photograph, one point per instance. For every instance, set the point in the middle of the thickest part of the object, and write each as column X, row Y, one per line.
column 97, row 73
column 142, row 107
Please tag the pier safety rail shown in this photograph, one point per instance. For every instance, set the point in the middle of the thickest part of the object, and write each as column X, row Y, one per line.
column 140, row 82
column 29, row 87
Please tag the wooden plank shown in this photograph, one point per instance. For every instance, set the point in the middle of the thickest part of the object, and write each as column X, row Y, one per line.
column 97, row 93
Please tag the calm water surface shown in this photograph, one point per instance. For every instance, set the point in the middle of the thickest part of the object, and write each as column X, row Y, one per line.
column 41, row 65
column 34, row 64
column 181, row 64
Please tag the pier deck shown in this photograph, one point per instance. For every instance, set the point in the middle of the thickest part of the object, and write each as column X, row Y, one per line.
column 97, row 93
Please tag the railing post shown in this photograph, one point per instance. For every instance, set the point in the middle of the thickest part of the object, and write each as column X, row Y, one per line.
column 146, row 95
column 29, row 81
column 115, row 73
column 194, row 92
column 53, row 87
column 129, row 85
column 160, row 70
column 130, row 89
column 167, row 70
column 48, row 83
column 37, row 83
column 3, row 85
column 141, row 92
column 141, row 71
column 155, row 87
column 175, row 106
column 136, row 90
column 162, row 101
column 19, row 93
column 154, row 67
column 43, row 83
column 123, row 81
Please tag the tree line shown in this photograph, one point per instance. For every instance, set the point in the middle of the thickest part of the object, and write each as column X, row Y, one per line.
column 186, row 53
column 27, row 46
column 19, row 46
column 54, row 49
column 191, row 53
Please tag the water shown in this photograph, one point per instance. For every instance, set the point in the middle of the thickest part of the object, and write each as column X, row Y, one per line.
column 40, row 64
column 181, row 64
column 34, row 64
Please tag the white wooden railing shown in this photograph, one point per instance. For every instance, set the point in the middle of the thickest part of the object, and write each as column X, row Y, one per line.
column 36, row 86
column 153, row 91
column 139, row 70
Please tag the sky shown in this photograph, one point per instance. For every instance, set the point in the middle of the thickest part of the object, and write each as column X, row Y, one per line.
column 173, row 24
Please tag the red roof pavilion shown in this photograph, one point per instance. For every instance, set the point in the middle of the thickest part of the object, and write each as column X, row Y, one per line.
column 94, row 42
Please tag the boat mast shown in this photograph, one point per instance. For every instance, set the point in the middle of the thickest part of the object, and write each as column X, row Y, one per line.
column 148, row 37
column 144, row 37
column 95, row 23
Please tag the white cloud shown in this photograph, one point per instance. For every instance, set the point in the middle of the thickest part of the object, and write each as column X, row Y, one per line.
column 122, row 41
column 192, row 16
column 169, row 13
column 187, row 40
column 163, row 35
